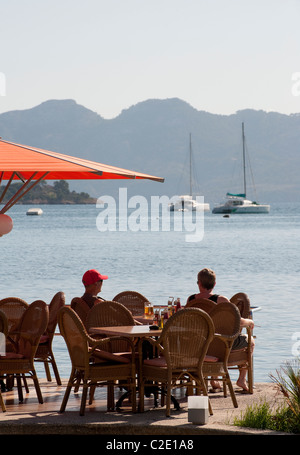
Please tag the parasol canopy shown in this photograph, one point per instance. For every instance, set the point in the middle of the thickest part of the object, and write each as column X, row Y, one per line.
column 31, row 165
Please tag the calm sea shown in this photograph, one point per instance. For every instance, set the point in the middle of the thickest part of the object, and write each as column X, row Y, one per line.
column 256, row 254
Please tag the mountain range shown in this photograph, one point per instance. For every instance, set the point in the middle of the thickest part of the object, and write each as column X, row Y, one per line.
column 153, row 137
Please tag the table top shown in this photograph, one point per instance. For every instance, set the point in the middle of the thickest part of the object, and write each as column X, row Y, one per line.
column 126, row 330
column 144, row 319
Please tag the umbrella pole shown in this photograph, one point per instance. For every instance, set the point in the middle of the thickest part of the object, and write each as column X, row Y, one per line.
column 21, row 192
column 7, row 185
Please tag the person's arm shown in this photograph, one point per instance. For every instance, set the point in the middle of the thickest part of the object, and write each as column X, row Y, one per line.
column 247, row 323
column 222, row 299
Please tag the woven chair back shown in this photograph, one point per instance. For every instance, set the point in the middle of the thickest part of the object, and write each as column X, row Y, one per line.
column 226, row 319
column 75, row 336
column 33, row 324
column 134, row 301
column 14, row 309
column 186, row 337
column 56, row 303
column 242, row 301
column 80, row 307
column 107, row 314
column 204, row 304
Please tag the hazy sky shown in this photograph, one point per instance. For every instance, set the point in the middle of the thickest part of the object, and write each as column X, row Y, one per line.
column 218, row 55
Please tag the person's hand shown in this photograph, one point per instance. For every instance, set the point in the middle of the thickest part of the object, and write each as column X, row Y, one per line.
column 247, row 323
column 250, row 323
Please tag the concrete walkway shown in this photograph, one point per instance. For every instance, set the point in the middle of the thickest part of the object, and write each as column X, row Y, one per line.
column 30, row 417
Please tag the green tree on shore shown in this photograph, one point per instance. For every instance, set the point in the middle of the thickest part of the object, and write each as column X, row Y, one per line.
column 43, row 193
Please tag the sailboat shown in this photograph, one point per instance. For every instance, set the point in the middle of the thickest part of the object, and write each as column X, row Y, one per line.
column 186, row 203
column 238, row 203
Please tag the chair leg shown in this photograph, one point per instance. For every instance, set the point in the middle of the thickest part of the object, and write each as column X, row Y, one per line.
column 37, row 387
column 78, row 380
column 20, row 390
column 47, row 370
column 168, row 400
column 110, row 396
column 92, row 393
column 55, row 370
column 232, row 394
column 203, row 386
column 67, row 392
column 133, row 396
column 25, row 383
column 163, row 394
column 250, row 374
column 9, row 381
column 65, row 399
column 2, row 403
column 141, row 397
column 225, row 387
column 83, row 397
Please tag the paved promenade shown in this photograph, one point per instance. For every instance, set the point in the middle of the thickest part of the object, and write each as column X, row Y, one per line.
column 30, row 417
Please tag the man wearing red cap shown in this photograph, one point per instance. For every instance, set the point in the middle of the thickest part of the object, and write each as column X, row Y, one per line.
column 92, row 281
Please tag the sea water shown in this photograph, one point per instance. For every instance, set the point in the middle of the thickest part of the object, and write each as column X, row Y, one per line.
column 255, row 254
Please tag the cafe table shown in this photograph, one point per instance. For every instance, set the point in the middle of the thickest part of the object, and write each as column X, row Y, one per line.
column 137, row 332
column 132, row 331
column 144, row 319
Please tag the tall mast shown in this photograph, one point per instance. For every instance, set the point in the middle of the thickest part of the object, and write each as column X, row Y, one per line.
column 244, row 160
column 191, row 194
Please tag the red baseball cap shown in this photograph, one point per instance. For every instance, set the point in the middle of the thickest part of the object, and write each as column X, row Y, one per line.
column 92, row 276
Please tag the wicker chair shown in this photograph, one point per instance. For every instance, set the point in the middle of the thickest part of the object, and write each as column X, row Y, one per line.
column 226, row 319
column 3, row 323
column 182, row 347
column 14, row 308
column 110, row 313
column 106, row 314
column 44, row 351
column 204, row 304
column 92, row 363
column 4, row 331
column 80, row 307
column 243, row 358
column 21, row 363
column 134, row 301
column 242, row 301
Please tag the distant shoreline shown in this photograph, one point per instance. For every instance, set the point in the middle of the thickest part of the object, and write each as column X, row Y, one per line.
column 43, row 193
column 57, row 203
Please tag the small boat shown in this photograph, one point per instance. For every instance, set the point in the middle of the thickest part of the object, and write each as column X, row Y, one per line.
column 186, row 203
column 238, row 203
column 34, row 211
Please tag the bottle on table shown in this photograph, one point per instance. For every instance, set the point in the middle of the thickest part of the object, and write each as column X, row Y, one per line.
column 178, row 304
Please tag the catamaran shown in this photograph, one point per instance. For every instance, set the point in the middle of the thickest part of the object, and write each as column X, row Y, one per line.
column 238, row 203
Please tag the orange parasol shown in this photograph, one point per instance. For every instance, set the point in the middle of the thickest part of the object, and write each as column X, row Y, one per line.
column 31, row 165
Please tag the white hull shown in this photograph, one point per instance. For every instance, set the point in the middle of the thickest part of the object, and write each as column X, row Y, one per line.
column 239, row 205
column 34, row 211
column 187, row 204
